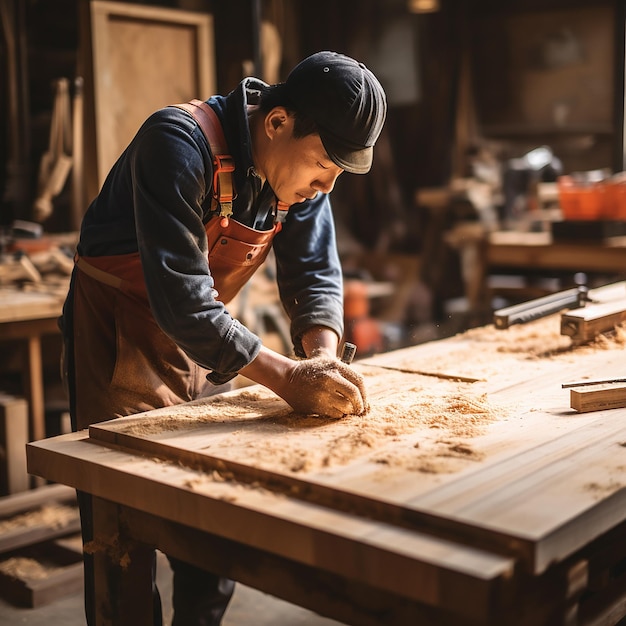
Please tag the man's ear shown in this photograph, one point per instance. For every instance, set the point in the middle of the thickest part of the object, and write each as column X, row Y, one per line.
column 277, row 121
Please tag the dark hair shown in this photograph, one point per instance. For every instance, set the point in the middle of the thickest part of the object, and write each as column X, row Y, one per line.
column 277, row 96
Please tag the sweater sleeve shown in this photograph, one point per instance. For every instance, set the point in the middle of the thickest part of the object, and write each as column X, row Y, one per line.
column 168, row 173
column 308, row 269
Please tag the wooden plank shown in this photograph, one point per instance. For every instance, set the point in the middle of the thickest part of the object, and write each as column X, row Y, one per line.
column 36, row 498
column 528, row 250
column 18, row 305
column 586, row 324
column 128, row 84
column 469, row 506
column 598, row 398
column 548, row 501
column 425, row 568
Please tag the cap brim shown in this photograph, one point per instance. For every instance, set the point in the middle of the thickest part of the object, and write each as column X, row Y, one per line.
column 352, row 161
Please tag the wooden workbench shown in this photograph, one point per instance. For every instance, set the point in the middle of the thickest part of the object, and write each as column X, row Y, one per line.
column 470, row 494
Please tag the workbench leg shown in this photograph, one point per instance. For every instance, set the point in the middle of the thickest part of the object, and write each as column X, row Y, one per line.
column 34, row 389
column 474, row 271
column 123, row 572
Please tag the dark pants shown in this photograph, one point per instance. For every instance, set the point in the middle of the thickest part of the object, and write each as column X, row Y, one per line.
column 199, row 597
column 109, row 373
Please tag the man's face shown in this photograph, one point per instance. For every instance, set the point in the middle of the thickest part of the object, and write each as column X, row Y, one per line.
column 298, row 169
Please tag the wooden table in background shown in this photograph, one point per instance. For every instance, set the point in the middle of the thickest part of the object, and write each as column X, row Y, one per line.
column 470, row 495
column 483, row 254
column 28, row 316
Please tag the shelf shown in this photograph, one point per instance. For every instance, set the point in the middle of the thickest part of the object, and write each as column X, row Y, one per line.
column 519, row 130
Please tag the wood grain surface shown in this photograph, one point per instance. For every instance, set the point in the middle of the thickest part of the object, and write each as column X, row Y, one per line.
column 502, row 464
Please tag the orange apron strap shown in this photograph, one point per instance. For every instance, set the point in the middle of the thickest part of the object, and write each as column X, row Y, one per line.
column 98, row 274
column 223, row 163
column 123, row 272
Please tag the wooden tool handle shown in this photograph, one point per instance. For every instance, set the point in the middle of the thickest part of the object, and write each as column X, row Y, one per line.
column 347, row 352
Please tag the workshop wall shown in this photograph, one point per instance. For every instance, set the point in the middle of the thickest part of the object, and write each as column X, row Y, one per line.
column 420, row 58
column 469, row 75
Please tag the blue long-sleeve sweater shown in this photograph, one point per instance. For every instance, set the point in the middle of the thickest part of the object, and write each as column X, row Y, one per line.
column 156, row 200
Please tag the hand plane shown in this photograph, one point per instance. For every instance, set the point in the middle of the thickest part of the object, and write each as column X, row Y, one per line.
column 591, row 313
column 541, row 307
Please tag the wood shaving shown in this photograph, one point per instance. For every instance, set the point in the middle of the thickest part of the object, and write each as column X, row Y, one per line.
column 22, row 568
column 257, row 428
column 53, row 515
column 603, row 490
column 117, row 550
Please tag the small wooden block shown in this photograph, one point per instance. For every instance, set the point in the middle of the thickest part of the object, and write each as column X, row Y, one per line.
column 598, row 398
column 586, row 323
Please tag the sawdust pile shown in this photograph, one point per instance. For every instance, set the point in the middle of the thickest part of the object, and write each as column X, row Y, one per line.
column 256, row 427
column 542, row 339
column 23, row 568
column 53, row 515
column 410, row 420
column 609, row 341
column 245, row 405
column 503, row 357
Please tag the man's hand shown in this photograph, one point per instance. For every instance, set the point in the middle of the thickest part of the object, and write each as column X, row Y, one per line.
column 326, row 386
column 321, row 385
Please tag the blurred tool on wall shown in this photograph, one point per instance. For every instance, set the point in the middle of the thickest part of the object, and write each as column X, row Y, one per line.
column 56, row 162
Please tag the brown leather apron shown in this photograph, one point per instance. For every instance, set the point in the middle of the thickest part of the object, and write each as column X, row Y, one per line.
column 123, row 362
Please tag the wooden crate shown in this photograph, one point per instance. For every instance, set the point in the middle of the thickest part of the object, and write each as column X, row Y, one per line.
column 40, row 548
column 28, row 518
column 37, row 575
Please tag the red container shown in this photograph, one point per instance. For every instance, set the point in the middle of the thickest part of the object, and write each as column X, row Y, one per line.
column 582, row 201
column 616, row 199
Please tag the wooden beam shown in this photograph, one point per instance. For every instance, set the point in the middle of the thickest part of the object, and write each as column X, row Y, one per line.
column 598, row 398
column 28, row 500
column 585, row 324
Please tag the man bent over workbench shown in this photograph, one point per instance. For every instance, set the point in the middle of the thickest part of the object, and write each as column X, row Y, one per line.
column 187, row 213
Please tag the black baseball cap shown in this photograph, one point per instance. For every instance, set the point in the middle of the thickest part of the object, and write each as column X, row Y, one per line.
column 346, row 102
